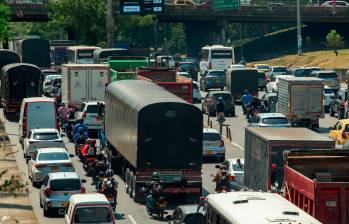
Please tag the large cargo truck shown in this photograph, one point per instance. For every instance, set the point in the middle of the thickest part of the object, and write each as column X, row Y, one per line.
column 124, row 67
column 237, row 80
column 264, row 147
column 317, row 181
column 18, row 81
column 167, row 78
column 301, row 100
column 83, row 83
column 149, row 129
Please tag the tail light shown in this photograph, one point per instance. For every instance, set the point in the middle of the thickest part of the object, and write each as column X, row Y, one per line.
column 202, row 198
column 82, row 190
column 224, row 189
column 47, row 192
column 344, row 135
column 274, row 166
column 266, row 78
column 232, row 178
column 68, row 165
column 210, row 65
column 222, row 143
column 40, row 165
column 98, row 118
column 84, row 115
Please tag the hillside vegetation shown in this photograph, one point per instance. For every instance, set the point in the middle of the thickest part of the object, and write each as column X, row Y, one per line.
column 326, row 59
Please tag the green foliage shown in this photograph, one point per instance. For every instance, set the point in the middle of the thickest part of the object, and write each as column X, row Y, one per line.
column 176, row 42
column 334, row 40
column 12, row 185
column 4, row 16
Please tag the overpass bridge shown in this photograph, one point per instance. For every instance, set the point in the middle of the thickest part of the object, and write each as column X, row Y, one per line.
column 36, row 11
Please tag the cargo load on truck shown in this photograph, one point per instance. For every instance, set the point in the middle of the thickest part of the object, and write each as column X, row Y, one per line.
column 167, row 78
column 264, row 147
column 301, row 100
column 317, row 181
column 149, row 129
column 83, row 83
column 19, row 81
column 124, row 67
column 239, row 79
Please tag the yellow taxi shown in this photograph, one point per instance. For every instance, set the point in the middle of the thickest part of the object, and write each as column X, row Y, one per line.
column 340, row 131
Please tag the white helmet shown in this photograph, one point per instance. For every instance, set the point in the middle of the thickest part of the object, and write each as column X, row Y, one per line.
column 109, row 184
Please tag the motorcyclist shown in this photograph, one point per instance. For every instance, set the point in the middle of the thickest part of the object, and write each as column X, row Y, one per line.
column 97, row 165
column 79, row 139
column 246, row 99
column 221, row 178
column 243, row 61
column 155, row 191
column 63, row 112
column 89, row 148
column 78, row 125
column 256, row 103
column 220, row 108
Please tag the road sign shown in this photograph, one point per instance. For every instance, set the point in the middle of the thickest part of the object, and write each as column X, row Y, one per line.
column 225, row 4
column 141, row 7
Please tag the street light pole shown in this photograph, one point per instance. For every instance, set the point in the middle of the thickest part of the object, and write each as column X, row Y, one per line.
column 110, row 23
column 299, row 28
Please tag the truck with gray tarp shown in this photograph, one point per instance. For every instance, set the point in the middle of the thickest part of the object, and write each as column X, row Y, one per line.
column 149, row 129
column 264, row 148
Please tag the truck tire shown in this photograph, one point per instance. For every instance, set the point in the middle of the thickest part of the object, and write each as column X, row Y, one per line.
column 127, row 179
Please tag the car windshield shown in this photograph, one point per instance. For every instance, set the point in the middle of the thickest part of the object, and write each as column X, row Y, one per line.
column 65, row 184
column 328, row 91
column 53, row 156
column 194, row 218
column 226, row 97
column 217, row 73
column 275, row 120
column 279, row 69
column 211, row 137
column 45, row 136
column 237, row 167
column 92, row 109
column 262, row 67
column 332, row 75
column 92, row 215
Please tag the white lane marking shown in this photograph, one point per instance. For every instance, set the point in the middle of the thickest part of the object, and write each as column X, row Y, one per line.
column 230, row 142
column 132, row 219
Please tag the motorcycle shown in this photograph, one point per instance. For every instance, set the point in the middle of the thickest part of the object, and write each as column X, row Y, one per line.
column 110, row 192
column 158, row 208
column 220, row 118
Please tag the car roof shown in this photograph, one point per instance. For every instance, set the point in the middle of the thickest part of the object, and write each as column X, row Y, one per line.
column 63, row 175
column 265, row 115
column 38, row 99
column 90, row 198
column 45, row 150
column 210, row 130
column 219, row 92
column 44, row 130
column 190, row 209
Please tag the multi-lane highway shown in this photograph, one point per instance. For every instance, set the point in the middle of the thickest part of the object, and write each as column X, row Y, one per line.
column 136, row 213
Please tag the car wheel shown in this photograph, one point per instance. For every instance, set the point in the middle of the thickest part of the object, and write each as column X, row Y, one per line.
column 331, row 112
column 46, row 212
column 41, row 206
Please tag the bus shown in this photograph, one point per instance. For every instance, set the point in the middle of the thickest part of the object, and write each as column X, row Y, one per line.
column 58, row 51
column 246, row 207
column 101, row 55
column 216, row 57
column 80, row 54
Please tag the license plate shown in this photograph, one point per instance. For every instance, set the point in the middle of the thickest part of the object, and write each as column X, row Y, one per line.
column 55, row 168
column 61, row 211
column 64, row 204
column 210, row 152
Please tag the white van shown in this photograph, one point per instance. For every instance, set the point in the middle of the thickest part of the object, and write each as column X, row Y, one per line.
column 216, row 57
column 80, row 54
column 89, row 208
column 36, row 112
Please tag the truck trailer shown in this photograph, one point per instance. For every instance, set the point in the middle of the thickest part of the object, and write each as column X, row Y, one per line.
column 149, row 129
column 317, row 181
column 301, row 100
column 264, row 147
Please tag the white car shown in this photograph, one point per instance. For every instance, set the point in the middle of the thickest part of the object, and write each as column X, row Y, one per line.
column 48, row 160
column 269, row 120
column 272, row 86
column 40, row 135
column 277, row 70
column 235, row 168
column 338, row 4
column 213, row 145
column 89, row 112
column 196, row 93
column 328, row 97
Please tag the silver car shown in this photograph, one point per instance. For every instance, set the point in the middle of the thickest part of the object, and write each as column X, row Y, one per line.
column 213, row 145
column 89, row 112
column 56, row 190
column 331, row 79
column 269, row 120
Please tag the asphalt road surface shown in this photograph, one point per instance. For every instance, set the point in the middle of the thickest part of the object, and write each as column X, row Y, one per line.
column 132, row 212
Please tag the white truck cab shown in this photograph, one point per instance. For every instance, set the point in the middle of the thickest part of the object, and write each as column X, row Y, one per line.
column 89, row 208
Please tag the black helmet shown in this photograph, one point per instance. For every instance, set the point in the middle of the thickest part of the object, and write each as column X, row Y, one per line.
column 220, row 99
column 101, row 174
column 109, row 173
column 155, row 175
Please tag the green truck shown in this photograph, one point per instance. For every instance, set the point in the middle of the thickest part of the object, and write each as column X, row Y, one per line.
column 124, row 67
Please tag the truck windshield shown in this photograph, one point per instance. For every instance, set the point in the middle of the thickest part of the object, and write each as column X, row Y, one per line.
column 92, row 215
column 275, row 120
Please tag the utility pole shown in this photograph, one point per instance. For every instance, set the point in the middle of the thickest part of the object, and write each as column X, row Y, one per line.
column 299, row 28
column 110, row 23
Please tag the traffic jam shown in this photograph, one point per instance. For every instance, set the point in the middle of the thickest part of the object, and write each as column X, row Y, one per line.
column 92, row 121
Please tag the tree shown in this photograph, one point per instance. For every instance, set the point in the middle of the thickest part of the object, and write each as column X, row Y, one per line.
column 334, row 40
column 4, row 25
column 176, row 42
